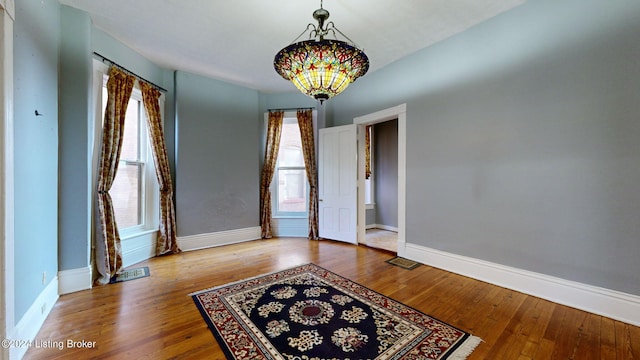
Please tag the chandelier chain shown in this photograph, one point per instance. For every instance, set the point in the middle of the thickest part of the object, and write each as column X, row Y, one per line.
column 309, row 26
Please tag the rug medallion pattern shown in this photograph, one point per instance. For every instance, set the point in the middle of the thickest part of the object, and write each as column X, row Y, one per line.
column 310, row 313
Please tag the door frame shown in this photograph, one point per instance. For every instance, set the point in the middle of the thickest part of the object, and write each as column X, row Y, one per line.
column 7, row 317
column 397, row 112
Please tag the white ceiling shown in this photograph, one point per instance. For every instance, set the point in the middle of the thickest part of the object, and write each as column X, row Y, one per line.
column 236, row 40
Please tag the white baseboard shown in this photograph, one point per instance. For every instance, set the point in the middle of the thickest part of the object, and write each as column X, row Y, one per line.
column 382, row 227
column 73, row 280
column 203, row 241
column 610, row 303
column 27, row 328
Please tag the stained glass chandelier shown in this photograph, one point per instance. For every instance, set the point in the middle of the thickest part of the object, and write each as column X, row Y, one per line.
column 321, row 68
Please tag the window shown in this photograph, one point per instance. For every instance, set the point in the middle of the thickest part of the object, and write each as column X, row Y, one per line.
column 290, row 178
column 135, row 188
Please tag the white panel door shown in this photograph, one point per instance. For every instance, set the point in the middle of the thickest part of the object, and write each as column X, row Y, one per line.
column 338, row 183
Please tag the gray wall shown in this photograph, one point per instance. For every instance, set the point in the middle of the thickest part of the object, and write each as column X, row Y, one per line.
column 385, row 172
column 36, row 44
column 523, row 139
column 219, row 152
column 75, row 140
column 218, row 175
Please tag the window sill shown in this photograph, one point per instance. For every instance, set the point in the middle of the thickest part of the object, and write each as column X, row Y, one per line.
column 289, row 217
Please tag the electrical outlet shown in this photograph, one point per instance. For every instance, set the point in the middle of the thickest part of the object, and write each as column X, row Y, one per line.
column 44, row 278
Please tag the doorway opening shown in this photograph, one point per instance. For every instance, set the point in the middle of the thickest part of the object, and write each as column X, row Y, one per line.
column 381, row 185
column 394, row 117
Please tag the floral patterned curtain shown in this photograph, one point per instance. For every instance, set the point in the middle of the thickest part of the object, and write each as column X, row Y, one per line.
column 167, row 237
column 274, row 130
column 108, row 249
column 367, row 149
column 305, row 122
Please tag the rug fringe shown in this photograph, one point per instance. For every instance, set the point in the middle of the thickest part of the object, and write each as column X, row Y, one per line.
column 464, row 350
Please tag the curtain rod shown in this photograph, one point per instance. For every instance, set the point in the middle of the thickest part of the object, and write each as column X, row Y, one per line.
column 128, row 71
column 289, row 109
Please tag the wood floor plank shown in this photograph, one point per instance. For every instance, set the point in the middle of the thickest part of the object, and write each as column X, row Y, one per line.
column 634, row 344
column 607, row 339
column 516, row 332
column 534, row 347
column 155, row 318
column 589, row 347
column 567, row 342
column 624, row 342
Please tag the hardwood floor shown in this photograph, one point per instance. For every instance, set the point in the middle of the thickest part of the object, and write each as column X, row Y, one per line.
column 154, row 318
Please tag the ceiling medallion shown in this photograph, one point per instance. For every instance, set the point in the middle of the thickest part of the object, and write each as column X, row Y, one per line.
column 321, row 68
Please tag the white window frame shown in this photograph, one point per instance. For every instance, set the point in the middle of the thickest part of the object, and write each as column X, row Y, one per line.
column 150, row 188
column 275, row 188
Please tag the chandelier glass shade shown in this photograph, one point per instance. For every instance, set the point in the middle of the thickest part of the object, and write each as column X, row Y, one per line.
column 321, row 68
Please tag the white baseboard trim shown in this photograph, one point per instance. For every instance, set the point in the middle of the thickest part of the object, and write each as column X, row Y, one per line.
column 73, row 280
column 382, row 227
column 27, row 328
column 609, row 303
column 220, row 238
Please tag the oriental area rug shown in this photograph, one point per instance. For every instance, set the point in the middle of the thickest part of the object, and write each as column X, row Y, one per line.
column 308, row 312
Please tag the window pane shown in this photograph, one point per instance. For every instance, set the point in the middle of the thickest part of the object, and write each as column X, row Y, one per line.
column 290, row 153
column 368, row 191
column 126, row 193
column 130, row 141
column 292, row 191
